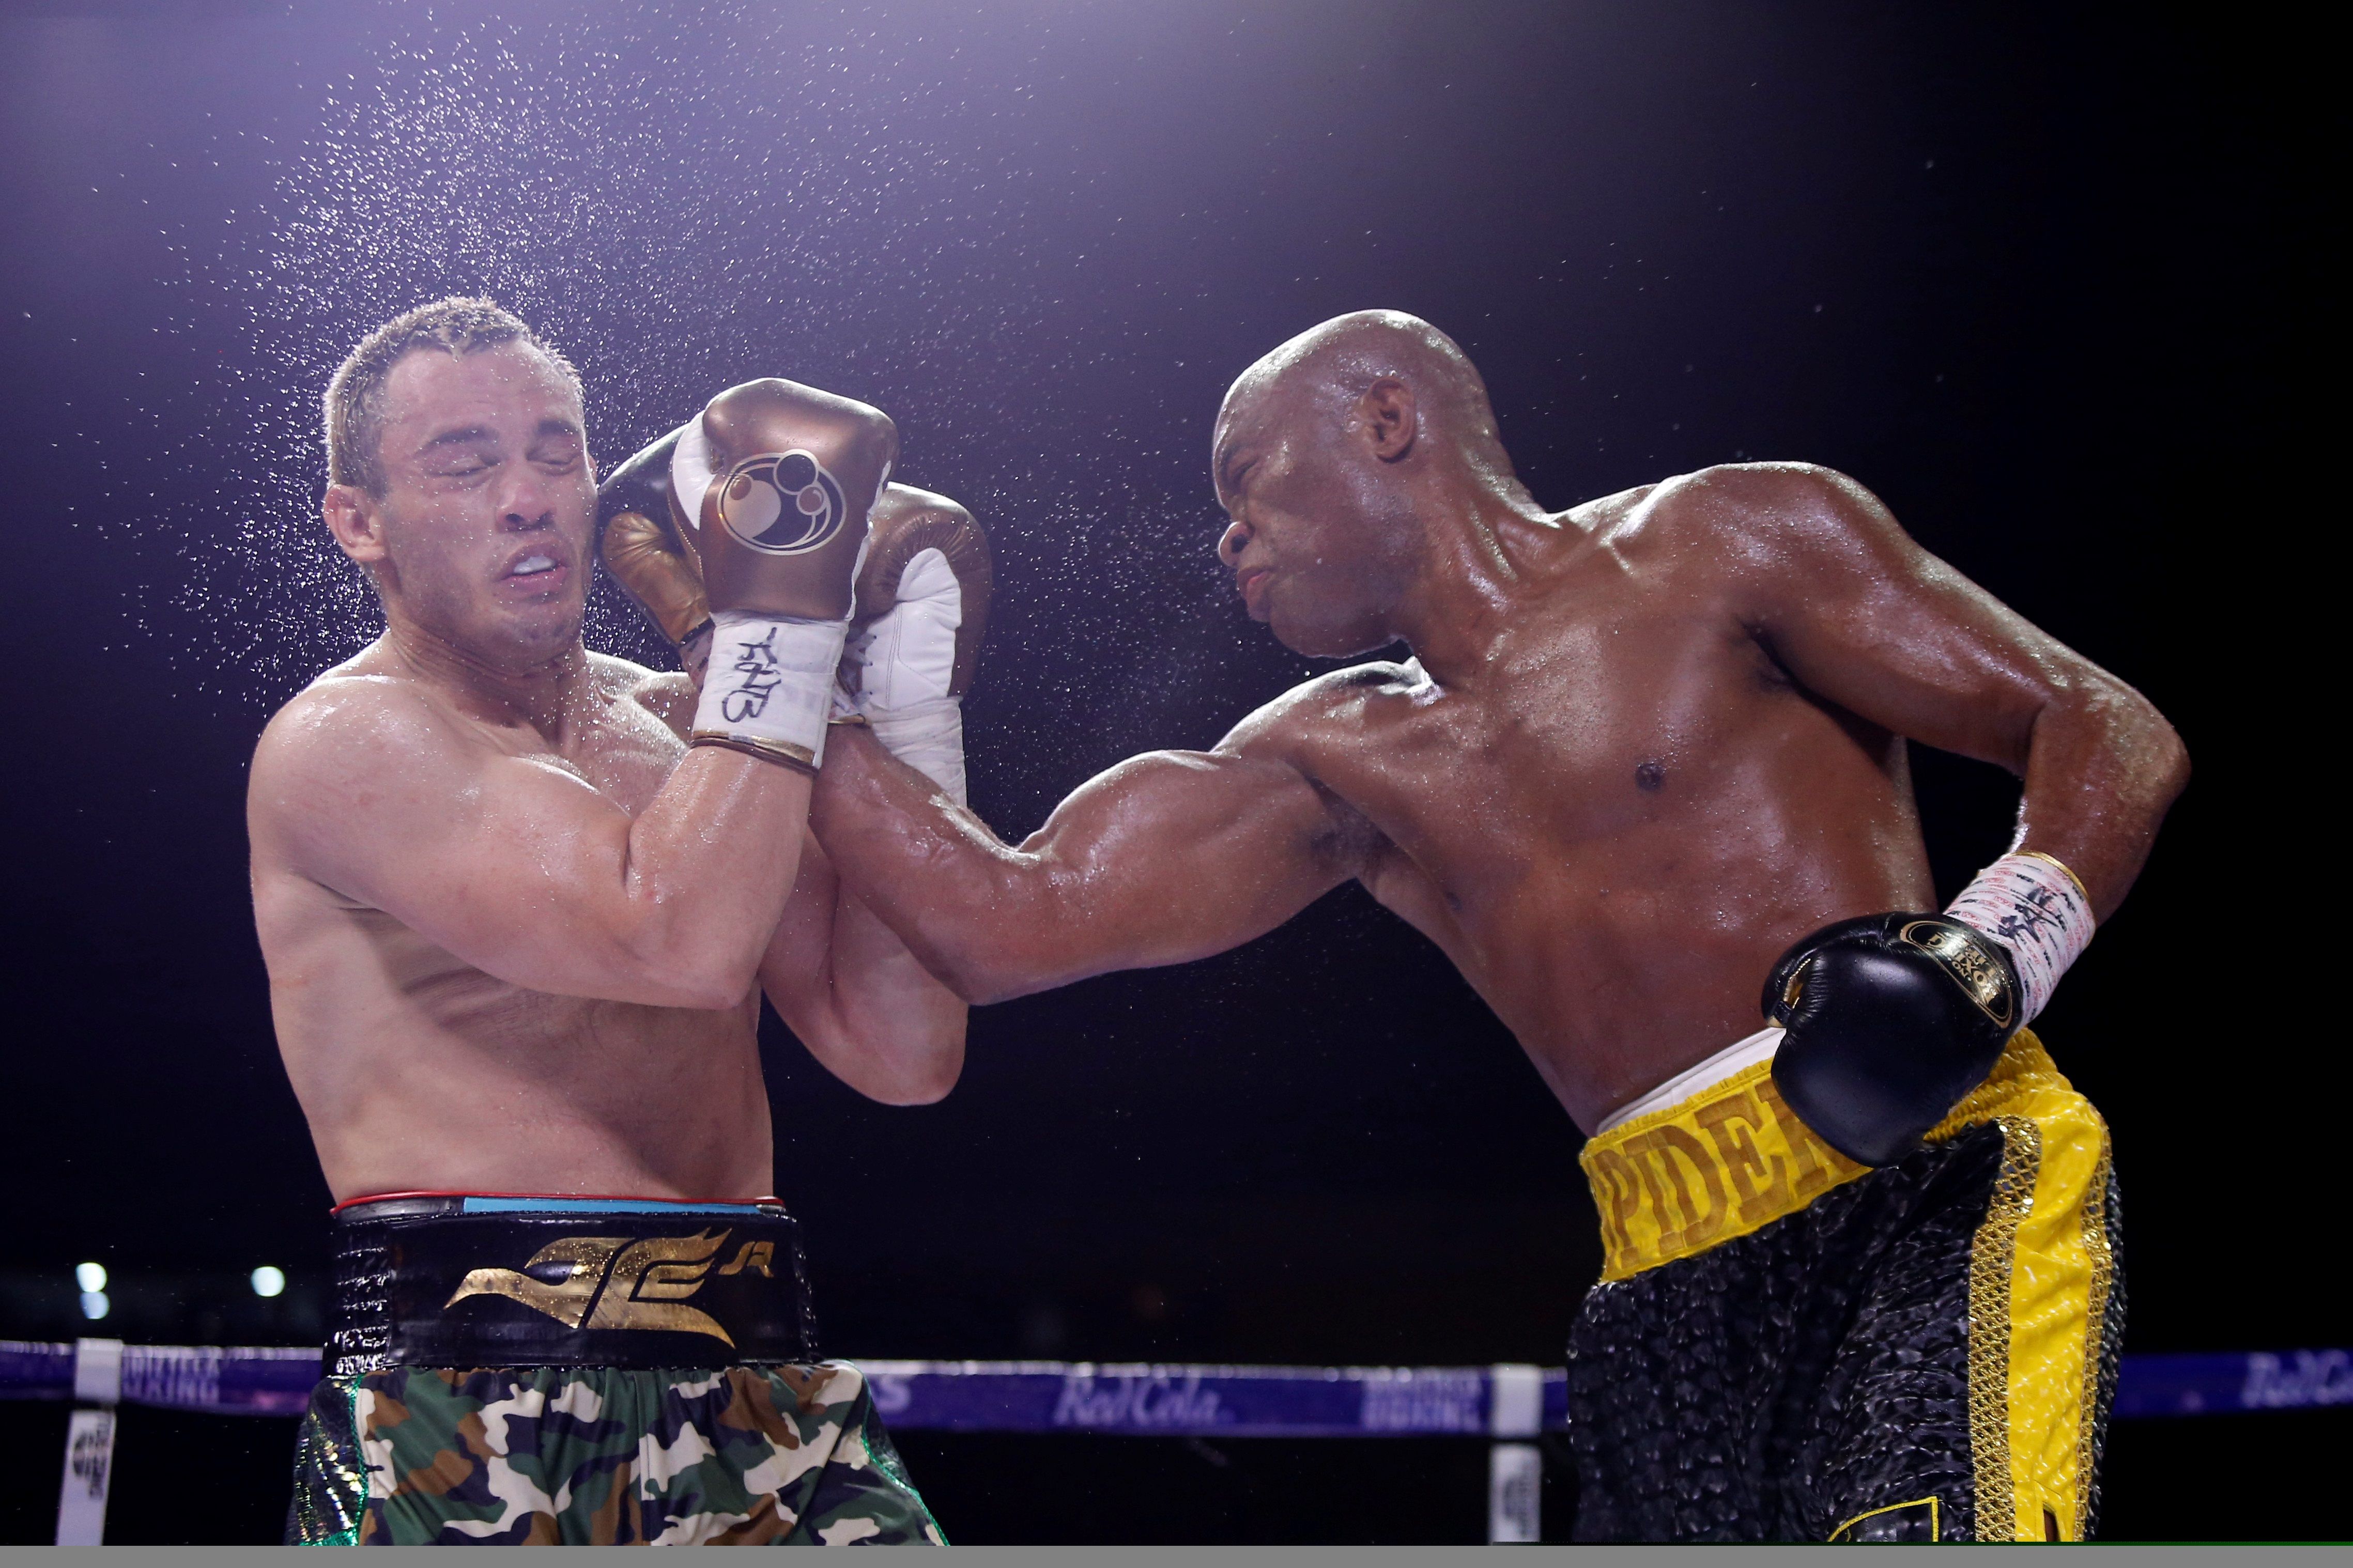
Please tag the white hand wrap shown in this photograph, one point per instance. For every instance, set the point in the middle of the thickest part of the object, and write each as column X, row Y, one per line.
column 769, row 685
column 2033, row 906
column 907, row 663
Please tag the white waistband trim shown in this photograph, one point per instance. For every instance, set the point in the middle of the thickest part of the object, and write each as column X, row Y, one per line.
column 1758, row 1047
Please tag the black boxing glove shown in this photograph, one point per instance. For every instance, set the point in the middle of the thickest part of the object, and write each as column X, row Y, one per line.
column 1892, row 1019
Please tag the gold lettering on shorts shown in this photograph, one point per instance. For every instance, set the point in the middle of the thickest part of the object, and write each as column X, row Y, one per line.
column 1624, row 1196
column 652, row 1278
column 755, row 1255
column 1761, row 1180
column 645, row 1282
column 583, row 1259
column 1700, row 1224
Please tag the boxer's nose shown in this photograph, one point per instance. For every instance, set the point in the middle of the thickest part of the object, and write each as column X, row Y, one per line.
column 1232, row 542
column 528, row 502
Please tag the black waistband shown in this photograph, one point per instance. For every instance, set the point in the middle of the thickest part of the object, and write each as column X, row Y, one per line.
column 456, row 1282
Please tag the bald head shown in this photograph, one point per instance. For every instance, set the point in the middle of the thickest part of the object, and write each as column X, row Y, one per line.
column 1352, row 461
column 1321, row 377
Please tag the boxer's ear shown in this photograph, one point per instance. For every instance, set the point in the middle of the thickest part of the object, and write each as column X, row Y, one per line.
column 353, row 518
column 1388, row 419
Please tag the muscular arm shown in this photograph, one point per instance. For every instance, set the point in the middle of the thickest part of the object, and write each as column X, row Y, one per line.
column 1169, row 857
column 522, row 868
column 840, row 979
column 1857, row 612
column 853, row 994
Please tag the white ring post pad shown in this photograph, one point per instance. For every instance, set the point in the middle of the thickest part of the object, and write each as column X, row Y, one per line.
column 769, row 685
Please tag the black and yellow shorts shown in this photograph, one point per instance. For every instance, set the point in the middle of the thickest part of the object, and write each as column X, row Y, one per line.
column 1789, row 1346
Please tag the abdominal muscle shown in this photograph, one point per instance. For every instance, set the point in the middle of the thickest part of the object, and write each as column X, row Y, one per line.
column 1620, row 961
column 419, row 1072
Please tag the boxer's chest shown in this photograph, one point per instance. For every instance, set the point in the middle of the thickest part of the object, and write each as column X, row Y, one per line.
column 1581, row 732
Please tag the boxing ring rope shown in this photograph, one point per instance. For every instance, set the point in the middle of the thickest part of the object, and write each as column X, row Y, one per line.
column 1507, row 1406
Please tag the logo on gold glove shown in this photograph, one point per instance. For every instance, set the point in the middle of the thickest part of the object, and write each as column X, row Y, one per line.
column 612, row 1282
column 780, row 503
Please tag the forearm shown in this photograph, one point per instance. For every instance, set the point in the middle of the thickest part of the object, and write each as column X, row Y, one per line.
column 704, row 878
column 908, row 1026
column 2102, row 768
column 856, row 999
column 984, row 917
column 1165, row 858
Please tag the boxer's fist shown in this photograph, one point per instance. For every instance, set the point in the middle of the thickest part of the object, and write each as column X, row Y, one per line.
column 1892, row 1019
column 922, row 607
column 740, row 533
column 793, row 472
column 923, row 601
column 645, row 548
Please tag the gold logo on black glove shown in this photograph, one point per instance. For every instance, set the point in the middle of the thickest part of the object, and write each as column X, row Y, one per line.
column 1964, row 954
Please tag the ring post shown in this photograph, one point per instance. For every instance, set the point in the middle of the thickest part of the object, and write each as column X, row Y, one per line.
column 1515, row 1469
column 89, row 1443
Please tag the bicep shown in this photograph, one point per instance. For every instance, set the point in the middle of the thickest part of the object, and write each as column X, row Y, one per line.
column 506, row 862
column 1173, row 856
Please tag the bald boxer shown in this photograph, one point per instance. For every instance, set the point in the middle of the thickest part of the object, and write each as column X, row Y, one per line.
column 1643, row 776
column 519, row 903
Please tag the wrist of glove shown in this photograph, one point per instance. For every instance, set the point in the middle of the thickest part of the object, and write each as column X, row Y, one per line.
column 926, row 736
column 1894, row 1018
column 769, row 686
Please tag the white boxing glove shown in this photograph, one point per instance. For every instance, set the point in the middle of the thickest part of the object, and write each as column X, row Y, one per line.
column 923, row 603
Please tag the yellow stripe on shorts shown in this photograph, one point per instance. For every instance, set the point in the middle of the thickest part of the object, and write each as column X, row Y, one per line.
column 1733, row 1158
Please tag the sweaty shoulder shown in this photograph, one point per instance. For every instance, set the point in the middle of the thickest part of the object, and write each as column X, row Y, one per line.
column 668, row 695
column 1751, row 507
column 339, row 731
column 1755, row 526
column 1332, row 704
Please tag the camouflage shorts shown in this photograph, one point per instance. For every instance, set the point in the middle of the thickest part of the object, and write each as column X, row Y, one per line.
column 594, row 1455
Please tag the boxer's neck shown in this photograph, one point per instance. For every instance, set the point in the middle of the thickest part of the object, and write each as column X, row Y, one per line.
column 1480, row 541
column 538, row 694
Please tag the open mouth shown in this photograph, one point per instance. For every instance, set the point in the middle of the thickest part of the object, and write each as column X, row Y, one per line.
column 540, row 574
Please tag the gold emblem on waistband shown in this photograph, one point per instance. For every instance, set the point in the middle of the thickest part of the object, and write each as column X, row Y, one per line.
column 645, row 1283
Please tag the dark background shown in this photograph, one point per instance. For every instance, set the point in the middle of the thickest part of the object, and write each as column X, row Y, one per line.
column 2046, row 283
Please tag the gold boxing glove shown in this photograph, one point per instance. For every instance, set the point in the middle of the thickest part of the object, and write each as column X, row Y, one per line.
column 750, row 519
column 648, row 553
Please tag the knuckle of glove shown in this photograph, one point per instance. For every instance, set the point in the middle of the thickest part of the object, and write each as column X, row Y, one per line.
column 1782, row 986
column 1882, row 1039
column 640, row 485
column 793, row 547
column 907, row 523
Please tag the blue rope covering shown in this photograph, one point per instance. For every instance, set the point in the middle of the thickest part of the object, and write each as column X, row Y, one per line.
column 1142, row 1400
